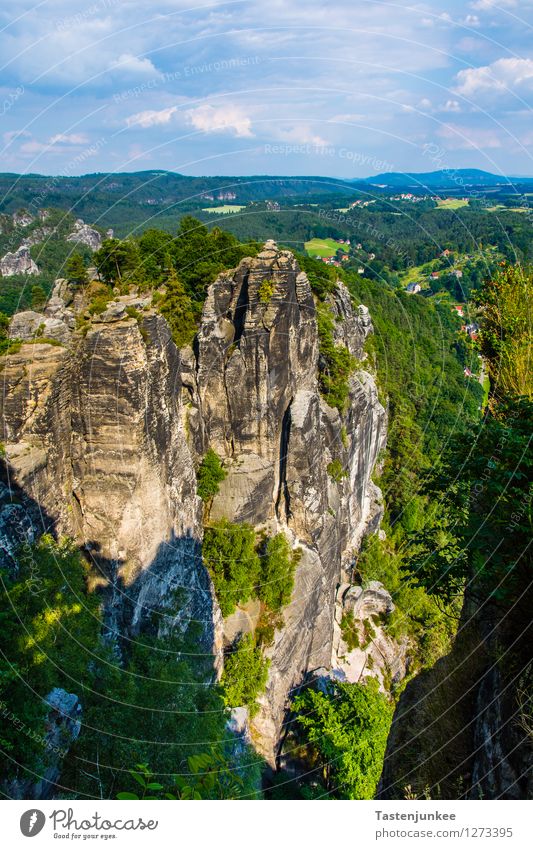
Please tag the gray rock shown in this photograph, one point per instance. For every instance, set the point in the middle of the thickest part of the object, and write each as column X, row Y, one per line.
column 85, row 235
column 19, row 262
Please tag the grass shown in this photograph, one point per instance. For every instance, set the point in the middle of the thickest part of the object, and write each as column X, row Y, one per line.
column 323, row 247
column 224, row 210
column 451, row 203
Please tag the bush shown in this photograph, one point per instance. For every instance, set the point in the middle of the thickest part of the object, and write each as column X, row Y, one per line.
column 336, row 471
column 277, row 572
column 336, row 363
column 349, row 630
column 210, row 474
column 245, row 675
column 230, row 556
column 347, row 727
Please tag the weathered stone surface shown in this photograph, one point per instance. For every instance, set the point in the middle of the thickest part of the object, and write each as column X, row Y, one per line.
column 32, row 325
column 85, row 235
column 94, row 433
column 19, row 262
column 22, row 218
column 254, row 398
column 105, row 435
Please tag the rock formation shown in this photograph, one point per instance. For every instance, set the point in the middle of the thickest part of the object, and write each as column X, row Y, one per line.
column 19, row 262
column 85, row 235
column 105, row 431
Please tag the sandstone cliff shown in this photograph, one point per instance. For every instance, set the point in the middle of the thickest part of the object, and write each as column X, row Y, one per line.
column 105, row 430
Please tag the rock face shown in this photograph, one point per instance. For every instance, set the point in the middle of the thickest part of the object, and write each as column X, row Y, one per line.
column 19, row 262
column 375, row 653
column 254, row 398
column 105, row 431
column 85, row 235
column 93, row 432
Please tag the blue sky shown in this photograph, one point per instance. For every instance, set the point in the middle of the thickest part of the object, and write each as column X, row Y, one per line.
column 347, row 88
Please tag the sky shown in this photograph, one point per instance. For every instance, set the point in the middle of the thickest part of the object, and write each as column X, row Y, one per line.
column 348, row 88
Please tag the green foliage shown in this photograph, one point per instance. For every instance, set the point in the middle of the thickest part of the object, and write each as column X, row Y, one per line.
column 347, row 726
column 336, row 471
column 336, row 363
column 49, row 627
column 178, row 309
column 266, row 290
column 350, row 631
column 429, row 623
column 38, row 297
column 278, row 564
column 245, row 674
column 230, row 556
column 75, row 269
column 506, row 301
column 117, row 260
column 210, row 475
column 210, row 776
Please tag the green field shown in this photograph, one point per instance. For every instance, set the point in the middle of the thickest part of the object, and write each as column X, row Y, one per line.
column 224, row 210
column 323, row 247
column 451, row 203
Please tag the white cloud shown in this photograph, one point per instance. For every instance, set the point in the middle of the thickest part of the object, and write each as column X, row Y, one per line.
column 451, row 106
column 505, row 76
column 151, row 117
column 219, row 119
column 15, row 134
column 32, row 148
column 300, row 134
column 133, row 65
column 72, row 138
column 471, row 21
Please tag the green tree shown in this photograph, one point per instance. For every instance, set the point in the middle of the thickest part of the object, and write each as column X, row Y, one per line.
column 38, row 297
column 210, row 475
column 116, row 260
column 277, row 572
column 347, row 726
column 230, row 556
column 75, row 269
column 245, row 674
column 177, row 308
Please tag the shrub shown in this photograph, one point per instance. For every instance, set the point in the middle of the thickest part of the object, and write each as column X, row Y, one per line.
column 210, row 474
column 230, row 556
column 245, row 675
column 277, row 572
column 336, row 471
column 336, row 363
column 347, row 727
column 349, row 630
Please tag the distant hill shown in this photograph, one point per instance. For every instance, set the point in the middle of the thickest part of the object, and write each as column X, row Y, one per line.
column 444, row 179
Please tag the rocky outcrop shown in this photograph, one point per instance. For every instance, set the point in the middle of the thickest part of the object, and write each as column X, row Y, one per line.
column 85, row 235
column 22, row 218
column 93, row 431
column 361, row 645
column 19, row 262
column 30, row 325
column 105, row 431
column 253, row 394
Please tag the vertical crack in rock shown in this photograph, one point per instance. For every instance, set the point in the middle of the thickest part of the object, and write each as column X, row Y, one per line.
column 283, row 489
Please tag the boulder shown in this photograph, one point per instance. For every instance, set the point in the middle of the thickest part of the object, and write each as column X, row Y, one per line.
column 19, row 262
column 83, row 234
